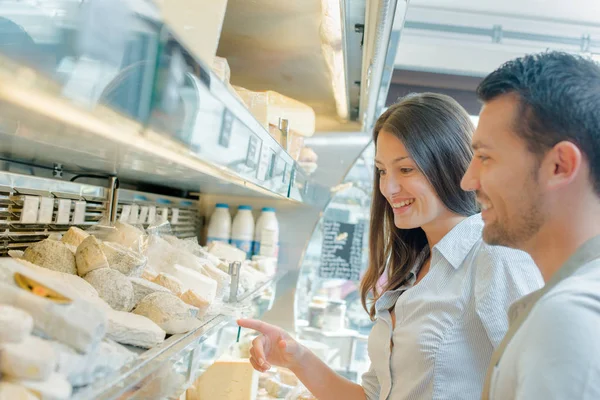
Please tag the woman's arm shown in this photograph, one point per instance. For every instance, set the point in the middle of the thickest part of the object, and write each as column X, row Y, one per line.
column 276, row 347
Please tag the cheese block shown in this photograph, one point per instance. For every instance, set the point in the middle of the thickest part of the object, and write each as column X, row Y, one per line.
column 196, row 281
column 113, row 287
column 80, row 324
column 197, row 300
column 228, row 380
column 15, row 324
column 33, row 358
column 222, row 278
column 127, row 235
column 226, row 252
column 84, row 369
column 277, row 389
column 149, row 274
column 170, row 282
column 13, row 391
column 74, row 236
column 133, row 329
column 72, row 286
column 89, row 256
column 123, row 260
column 268, row 107
column 143, row 287
column 52, row 255
column 169, row 312
column 56, row 387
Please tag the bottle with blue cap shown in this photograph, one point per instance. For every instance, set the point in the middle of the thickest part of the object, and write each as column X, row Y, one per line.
column 219, row 227
column 242, row 230
column 266, row 234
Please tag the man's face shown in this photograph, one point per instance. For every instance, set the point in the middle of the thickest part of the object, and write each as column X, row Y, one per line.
column 504, row 175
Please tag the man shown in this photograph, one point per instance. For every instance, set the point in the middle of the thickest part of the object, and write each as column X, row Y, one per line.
column 536, row 172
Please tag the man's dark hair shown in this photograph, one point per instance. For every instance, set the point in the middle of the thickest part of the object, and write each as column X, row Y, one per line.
column 559, row 96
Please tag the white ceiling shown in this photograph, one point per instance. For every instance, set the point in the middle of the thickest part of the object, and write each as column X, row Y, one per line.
column 437, row 50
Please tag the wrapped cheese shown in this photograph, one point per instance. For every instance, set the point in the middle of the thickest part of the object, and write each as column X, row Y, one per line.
column 74, row 236
column 170, row 282
column 169, row 312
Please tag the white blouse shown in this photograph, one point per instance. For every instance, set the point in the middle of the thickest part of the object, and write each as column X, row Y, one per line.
column 448, row 325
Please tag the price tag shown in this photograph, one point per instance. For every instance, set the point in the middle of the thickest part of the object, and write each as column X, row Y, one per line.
column 79, row 214
column 125, row 213
column 164, row 214
column 63, row 216
column 29, row 213
column 135, row 214
column 151, row 214
column 143, row 215
column 46, row 210
column 174, row 216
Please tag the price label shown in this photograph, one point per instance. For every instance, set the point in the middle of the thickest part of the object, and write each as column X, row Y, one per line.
column 46, row 210
column 174, row 216
column 79, row 214
column 164, row 214
column 152, row 214
column 143, row 215
column 63, row 216
column 135, row 214
column 29, row 213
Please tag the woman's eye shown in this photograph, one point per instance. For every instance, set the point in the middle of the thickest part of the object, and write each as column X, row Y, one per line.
column 482, row 158
column 380, row 172
column 406, row 170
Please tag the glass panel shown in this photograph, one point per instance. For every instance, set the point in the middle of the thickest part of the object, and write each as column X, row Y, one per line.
column 328, row 305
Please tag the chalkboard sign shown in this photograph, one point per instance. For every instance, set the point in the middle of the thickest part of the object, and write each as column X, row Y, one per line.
column 341, row 253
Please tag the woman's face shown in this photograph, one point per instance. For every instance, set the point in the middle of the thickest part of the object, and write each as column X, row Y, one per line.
column 407, row 191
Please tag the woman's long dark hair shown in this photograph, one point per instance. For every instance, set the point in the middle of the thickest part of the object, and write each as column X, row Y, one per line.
column 436, row 132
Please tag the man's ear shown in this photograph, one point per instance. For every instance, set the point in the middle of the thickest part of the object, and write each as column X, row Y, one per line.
column 562, row 164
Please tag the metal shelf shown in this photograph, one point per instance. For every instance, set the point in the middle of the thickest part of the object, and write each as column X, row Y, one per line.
column 173, row 363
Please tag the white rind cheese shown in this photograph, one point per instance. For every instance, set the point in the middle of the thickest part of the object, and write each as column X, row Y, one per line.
column 202, row 284
column 134, row 329
column 33, row 358
column 74, row 236
column 56, row 387
column 170, row 282
column 222, row 278
column 51, row 254
column 123, row 260
column 125, row 234
column 13, row 391
column 15, row 324
column 113, row 287
column 80, row 324
column 90, row 257
column 84, row 369
column 228, row 380
column 143, row 287
column 169, row 312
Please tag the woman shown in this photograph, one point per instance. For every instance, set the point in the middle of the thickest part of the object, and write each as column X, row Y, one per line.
column 443, row 307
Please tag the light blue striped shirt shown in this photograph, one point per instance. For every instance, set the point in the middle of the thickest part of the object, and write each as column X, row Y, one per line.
column 448, row 325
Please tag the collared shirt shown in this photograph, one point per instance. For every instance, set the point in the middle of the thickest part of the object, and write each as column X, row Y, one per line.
column 448, row 325
column 555, row 353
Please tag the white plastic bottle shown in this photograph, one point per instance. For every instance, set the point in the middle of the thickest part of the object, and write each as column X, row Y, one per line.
column 219, row 227
column 242, row 230
column 266, row 235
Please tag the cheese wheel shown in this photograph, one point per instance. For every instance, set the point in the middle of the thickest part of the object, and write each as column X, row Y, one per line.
column 113, row 287
column 52, row 255
column 89, row 256
column 33, row 358
column 74, row 236
column 15, row 324
column 169, row 312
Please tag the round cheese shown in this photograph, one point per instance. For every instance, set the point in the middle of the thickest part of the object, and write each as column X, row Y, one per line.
column 113, row 287
column 89, row 256
column 169, row 312
column 52, row 255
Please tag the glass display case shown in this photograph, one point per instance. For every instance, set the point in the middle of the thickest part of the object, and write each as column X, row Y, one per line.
column 328, row 305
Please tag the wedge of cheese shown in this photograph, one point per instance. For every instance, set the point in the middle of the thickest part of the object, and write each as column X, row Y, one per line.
column 89, row 256
column 197, row 300
column 134, row 329
column 228, row 380
column 124, row 260
column 143, row 287
column 168, row 281
column 74, row 236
